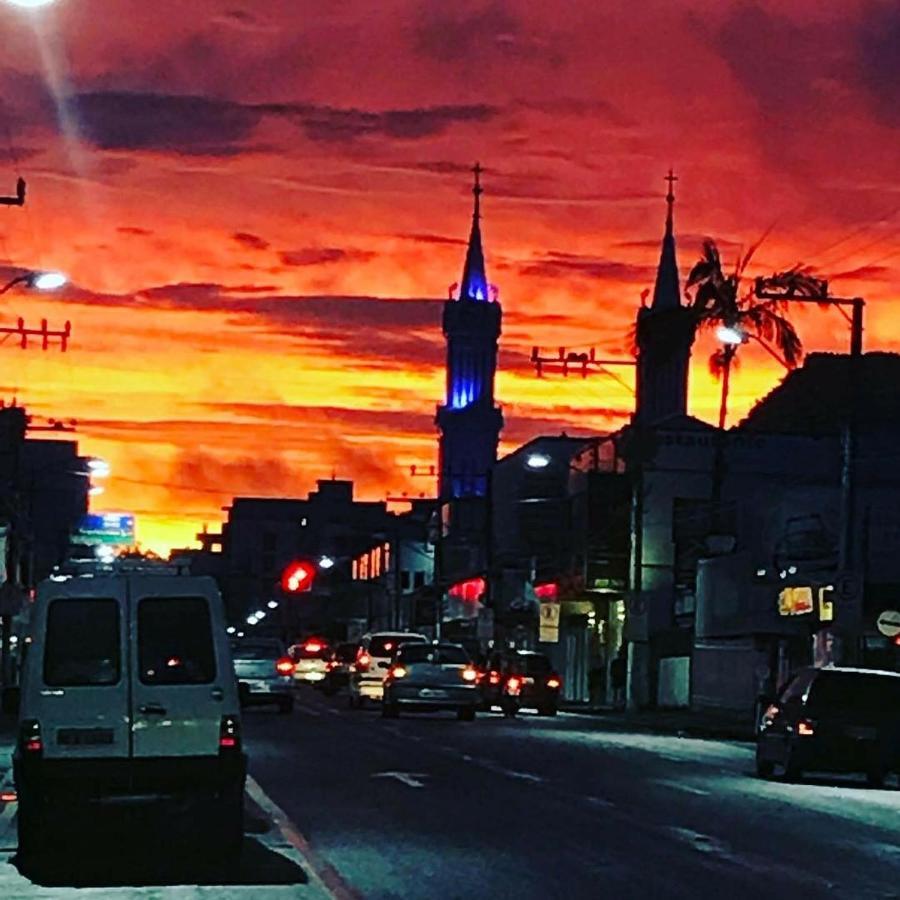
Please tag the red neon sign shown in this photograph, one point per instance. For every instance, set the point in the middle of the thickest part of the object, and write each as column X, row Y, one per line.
column 471, row 591
column 548, row 591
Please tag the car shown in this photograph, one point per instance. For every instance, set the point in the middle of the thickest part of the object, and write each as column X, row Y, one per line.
column 310, row 658
column 373, row 659
column 338, row 667
column 129, row 699
column 833, row 720
column 514, row 679
column 431, row 677
column 264, row 673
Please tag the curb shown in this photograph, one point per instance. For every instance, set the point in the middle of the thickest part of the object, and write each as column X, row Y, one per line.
column 621, row 725
column 324, row 875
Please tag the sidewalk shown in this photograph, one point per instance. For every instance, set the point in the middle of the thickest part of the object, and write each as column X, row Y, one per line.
column 680, row 722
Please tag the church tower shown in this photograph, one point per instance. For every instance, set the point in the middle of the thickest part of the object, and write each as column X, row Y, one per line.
column 469, row 421
column 665, row 335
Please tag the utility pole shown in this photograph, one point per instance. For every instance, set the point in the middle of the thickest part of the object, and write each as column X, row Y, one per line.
column 778, row 288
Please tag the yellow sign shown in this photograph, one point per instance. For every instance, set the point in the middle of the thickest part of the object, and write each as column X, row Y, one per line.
column 795, row 601
column 549, row 630
column 826, row 604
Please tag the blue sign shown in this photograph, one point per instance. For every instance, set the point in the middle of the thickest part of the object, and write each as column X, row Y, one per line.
column 106, row 528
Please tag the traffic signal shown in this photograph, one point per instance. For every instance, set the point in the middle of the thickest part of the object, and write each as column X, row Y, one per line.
column 298, row 577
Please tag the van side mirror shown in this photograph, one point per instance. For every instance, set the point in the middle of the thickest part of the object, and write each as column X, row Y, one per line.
column 11, row 700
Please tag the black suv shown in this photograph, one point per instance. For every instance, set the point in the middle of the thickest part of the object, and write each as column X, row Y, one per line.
column 833, row 720
column 516, row 678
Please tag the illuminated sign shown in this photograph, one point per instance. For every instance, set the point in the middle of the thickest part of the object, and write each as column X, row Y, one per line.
column 298, row 577
column 471, row 591
column 549, row 591
column 110, row 528
column 795, row 601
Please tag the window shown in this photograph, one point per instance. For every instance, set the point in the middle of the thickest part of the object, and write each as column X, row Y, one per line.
column 386, row 645
column 175, row 644
column 853, row 692
column 419, row 578
column 256, row 650
column 426, row 653
column 83, row 645
column 404, row 579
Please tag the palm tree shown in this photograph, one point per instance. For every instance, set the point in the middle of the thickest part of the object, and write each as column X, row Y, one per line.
column 720, row 302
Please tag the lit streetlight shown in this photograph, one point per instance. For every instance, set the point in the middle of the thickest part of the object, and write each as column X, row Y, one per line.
column 538, row 461
column 38, row 281
column 31, row 4
column 731, row 335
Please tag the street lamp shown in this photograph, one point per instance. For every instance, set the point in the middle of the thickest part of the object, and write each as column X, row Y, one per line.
column 98, row 468
column 39, row 281
column 31, row 4
column 538, row 461
column 326, row 562
column 731, row 335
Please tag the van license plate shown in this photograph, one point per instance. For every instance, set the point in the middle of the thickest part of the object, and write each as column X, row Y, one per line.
column 429, row 694
column 77, row 737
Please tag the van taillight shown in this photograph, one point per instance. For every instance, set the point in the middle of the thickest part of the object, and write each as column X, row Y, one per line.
column 362, row 661
column 30, row 737
column 285, row 666
column 230, row 733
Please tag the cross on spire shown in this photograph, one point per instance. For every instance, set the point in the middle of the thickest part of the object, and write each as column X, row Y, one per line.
column 477, row 189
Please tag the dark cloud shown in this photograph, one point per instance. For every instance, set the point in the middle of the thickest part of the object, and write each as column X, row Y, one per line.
column 323, row 256
column 203, row 126
column 878, row 59
column 432, row 239
column 250, row 241
column 863, row 273
column 451, row 33
column 556, row 264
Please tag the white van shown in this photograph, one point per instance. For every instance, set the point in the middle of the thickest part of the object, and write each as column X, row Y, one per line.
column 128, row 697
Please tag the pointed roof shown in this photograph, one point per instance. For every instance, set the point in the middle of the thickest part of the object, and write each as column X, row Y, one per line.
column 667, row 292
column 474, row 284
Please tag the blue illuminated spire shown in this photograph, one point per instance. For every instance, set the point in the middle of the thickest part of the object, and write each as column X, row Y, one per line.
column 474, row 284
column 667, row 293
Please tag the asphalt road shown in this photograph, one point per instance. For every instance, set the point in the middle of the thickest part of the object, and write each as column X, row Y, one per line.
column 345, row 804
column 428, row 807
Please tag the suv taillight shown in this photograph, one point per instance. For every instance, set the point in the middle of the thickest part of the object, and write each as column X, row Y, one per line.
column 362, row 661
column 229, row 734
column 30, row 737
column 553, row 682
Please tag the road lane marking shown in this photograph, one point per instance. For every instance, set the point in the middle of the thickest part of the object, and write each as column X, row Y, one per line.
column 410, row 779
column 326, row 877
column 679, row 786
column 600, row 802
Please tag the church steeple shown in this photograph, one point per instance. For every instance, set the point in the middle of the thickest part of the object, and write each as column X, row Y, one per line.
column 665, row 334
column 667, row 292
column 469, row 420
column 474, row 284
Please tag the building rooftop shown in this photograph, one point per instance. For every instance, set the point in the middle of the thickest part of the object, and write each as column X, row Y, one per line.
column 815, row 399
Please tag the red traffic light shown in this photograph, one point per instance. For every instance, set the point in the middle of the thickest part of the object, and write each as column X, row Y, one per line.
column 298, row 577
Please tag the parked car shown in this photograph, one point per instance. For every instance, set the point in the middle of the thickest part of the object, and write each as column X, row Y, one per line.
column 338, row 667
column 129, row 698
column 430, row 677
column 264, row 673
column 514, row 679
column 310, row 658
column 833, row 720
column 373, row 659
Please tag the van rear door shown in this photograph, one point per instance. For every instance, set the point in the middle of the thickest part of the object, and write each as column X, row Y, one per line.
column 180, row 676
column 78, row 686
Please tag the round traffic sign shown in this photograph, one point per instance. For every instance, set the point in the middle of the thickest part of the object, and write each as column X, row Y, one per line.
column 889, row 623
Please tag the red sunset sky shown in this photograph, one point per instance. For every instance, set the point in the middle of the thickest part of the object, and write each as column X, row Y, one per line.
column 261, row 206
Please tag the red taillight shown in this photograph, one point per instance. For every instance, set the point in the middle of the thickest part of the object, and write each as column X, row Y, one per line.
column 469, row 674
column 30, row 737
column 312, row 646
column 398, row 672
column 229, row 733
column 284, row 666
column 362, row 661
column 494, row 678
column 554, row 682
column 805, row 728
column 513, row 685
column 8, row 797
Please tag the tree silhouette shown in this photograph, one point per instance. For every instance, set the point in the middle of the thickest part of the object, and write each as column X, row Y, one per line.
column 722, row 300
